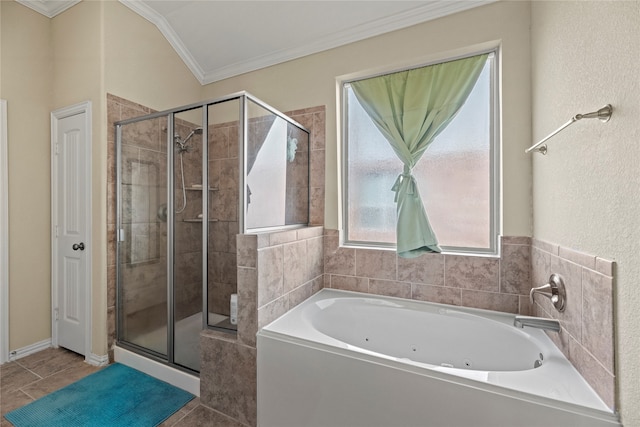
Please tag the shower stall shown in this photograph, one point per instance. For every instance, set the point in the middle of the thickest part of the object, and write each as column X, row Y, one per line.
column 189, row 180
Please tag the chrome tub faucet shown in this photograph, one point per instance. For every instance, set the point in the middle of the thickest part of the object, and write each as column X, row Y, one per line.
column 554, row 290
column 537, row 322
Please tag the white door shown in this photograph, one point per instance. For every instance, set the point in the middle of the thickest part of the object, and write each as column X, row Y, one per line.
column 71, row 248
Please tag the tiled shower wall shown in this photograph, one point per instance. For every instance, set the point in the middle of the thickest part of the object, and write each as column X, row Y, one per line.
column 223, row 152
column 587, row 336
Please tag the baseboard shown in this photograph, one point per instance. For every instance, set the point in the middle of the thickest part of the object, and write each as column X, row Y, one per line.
column 30, row 349
column 95, row 360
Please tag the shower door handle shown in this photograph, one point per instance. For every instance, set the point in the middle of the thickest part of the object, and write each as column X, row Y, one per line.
column 77, row 246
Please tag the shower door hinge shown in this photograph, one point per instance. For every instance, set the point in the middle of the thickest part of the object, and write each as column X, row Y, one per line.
column 55, row 313
column 57, row 148
column 121, row 235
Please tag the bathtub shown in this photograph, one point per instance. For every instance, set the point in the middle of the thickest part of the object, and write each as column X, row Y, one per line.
column 350, row 359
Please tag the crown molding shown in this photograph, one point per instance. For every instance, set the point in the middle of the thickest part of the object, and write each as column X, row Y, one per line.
column 433, row 10
column 49, row 8
column 168, row 32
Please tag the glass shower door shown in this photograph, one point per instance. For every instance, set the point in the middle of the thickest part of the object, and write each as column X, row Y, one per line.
column 188, row 223
column 142, row 244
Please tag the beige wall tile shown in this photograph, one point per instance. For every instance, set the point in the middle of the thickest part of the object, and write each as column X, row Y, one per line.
column 338, row 260
column 515, row 269
column 316, row 212
column 546, row 246
column 263, row 240
column 427, row 269
column 490, row 301
column 316, row 172
column 376, row 264
column 270, row 274
column 390, row 288
column 597, row 317
column 295, row 265
column 247, row 247
column 350, row 283
column 438, row 294
column 270, row 312
column 319, row 132
column 300, row 294
column 604, row 266
column 318, row 283
column 516, row 240
column 309, row 232
column 247, row 305
column 281, row 237
column 228, row 378
column 471, row 272
column 540, row 267
column 577, row 257
column 315, row 257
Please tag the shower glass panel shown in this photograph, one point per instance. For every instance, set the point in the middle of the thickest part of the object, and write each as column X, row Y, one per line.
column 277, row 174
column 142, row 262
column 224, row 196
column 188, row 226
column 189, row 180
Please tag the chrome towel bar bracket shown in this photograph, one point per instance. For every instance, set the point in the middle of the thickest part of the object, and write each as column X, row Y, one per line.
column 603, row 114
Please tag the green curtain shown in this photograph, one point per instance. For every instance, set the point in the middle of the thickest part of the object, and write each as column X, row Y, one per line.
column 411, row 108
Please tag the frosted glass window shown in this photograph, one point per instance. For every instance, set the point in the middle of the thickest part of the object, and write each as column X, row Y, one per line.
column 455, row 175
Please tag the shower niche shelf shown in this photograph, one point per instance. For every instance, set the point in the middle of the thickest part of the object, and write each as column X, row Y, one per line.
column 198, row 220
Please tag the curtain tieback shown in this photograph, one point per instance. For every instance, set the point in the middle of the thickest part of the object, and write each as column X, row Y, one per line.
column 407, row 181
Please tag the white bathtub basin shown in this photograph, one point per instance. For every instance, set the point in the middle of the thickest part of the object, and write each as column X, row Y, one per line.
column 344, row 358
column 441, row 336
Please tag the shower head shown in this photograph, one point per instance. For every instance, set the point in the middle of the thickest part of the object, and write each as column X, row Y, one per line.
column 182, row 143
column 196, row 131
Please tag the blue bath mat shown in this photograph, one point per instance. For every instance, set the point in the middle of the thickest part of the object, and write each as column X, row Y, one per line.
column 112, row 397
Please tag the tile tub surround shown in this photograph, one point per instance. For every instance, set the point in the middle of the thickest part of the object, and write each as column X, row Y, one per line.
column 276, row 271
column 587, row 336
column 500, row 284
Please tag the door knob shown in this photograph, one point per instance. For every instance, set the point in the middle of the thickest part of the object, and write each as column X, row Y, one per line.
column 77, row 246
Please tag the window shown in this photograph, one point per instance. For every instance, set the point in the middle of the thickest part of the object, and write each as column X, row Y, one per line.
column 457, row 175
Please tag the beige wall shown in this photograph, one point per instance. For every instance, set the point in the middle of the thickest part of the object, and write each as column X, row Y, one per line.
column 311, row 81
column 584, row 55
column 78, row 77
column 25, row 84
column 80, row 55
column 140, row 65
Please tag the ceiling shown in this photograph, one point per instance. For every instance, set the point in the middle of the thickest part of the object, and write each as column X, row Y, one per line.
column 220, row 39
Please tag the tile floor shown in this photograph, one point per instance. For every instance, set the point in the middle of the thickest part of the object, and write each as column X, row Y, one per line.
column 27, row 379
